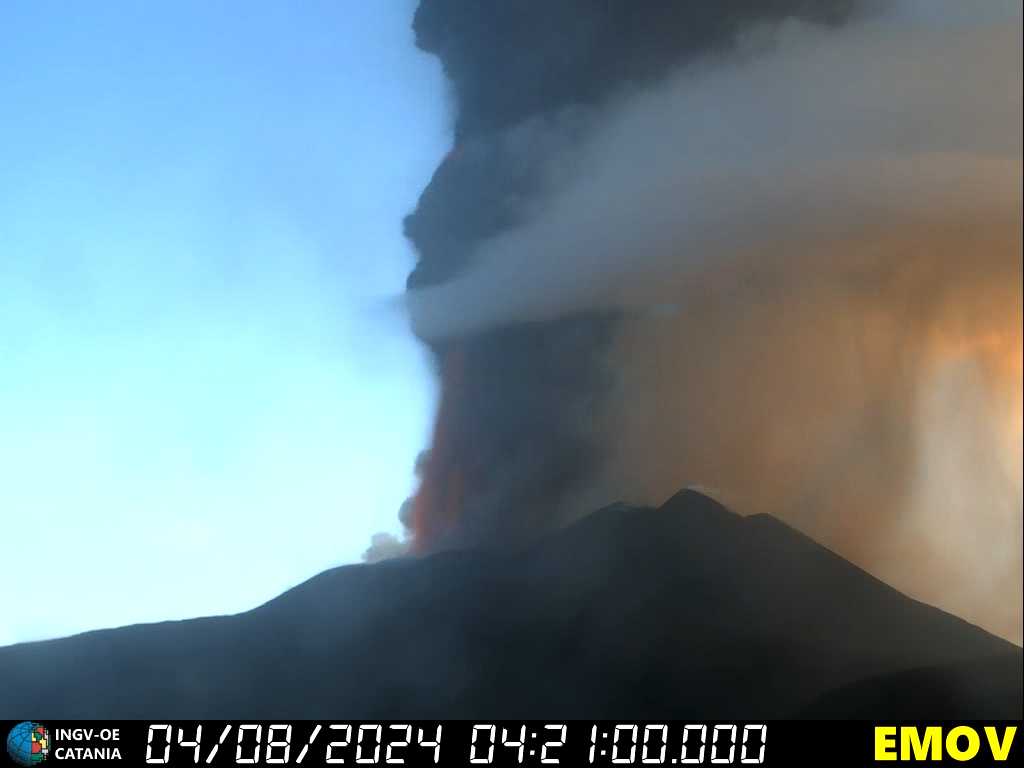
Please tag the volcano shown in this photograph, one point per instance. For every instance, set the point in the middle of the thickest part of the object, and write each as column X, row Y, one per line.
column 687, row 610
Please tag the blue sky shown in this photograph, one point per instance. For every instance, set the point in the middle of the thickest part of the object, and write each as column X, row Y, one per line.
column 202, row 398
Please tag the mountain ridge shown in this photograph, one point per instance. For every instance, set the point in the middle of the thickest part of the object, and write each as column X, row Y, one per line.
column 685, row 610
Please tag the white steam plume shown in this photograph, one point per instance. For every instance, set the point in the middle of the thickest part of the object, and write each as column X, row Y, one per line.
column 833, row 218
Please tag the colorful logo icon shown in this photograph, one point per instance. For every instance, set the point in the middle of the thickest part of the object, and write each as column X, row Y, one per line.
column 28, row 743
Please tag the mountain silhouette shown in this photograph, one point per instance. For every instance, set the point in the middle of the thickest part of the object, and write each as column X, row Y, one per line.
column 684, row 611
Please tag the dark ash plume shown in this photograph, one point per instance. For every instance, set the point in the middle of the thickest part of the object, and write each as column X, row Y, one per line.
column 770, row 248
column 529, row 80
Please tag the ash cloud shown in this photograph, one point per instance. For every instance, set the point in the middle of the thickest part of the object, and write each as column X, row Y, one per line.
column 811, row 249
column 800, row 137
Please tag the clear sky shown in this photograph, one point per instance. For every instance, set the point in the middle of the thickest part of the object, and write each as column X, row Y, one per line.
column 202, row 401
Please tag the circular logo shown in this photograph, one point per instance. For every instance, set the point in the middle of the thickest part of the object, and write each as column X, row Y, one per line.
column 28, row 743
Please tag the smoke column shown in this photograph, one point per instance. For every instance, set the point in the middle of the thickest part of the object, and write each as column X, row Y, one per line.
column 782, row 261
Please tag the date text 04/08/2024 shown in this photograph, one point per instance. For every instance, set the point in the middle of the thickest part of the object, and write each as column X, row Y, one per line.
column 472, row 744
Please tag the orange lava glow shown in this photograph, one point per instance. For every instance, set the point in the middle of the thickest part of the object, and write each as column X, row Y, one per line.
column 438, row 502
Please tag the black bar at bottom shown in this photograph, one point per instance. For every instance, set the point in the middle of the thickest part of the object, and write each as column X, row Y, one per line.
column 454, row 744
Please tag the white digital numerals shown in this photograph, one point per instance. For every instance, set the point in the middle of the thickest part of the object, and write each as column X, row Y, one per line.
column 542, row 744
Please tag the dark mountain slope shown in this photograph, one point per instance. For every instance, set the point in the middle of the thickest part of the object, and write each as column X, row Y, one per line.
column 683, row 611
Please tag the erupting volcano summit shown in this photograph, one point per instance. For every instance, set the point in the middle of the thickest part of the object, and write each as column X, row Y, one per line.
column 664, row 251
